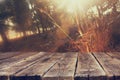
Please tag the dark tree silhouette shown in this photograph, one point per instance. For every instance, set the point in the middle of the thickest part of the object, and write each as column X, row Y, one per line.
column 23, row 16
column 5, row 13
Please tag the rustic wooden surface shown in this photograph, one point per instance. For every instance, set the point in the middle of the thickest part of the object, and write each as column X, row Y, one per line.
column 59, row 66
column 64, row 69
column 88, row 68
column 110, row 65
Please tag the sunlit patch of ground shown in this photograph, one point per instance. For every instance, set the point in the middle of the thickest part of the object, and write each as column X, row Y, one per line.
column 31, row 43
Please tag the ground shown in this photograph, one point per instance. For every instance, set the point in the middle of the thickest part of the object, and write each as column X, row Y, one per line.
column 47, row 43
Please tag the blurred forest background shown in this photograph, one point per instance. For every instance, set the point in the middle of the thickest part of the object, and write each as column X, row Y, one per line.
column 42, row 25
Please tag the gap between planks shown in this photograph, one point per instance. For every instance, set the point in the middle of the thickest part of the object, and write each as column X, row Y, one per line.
column 21, row 64
column 38, row 69
column 111, row 65
column 88, row 68
column 64, row 69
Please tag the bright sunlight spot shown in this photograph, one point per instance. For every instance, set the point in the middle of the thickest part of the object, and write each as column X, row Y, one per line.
column 71, row 5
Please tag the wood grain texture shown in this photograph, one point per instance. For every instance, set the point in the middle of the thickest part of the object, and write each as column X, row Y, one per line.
column 88, row 68
column 14, row 59
column 59, row 66
column 64, row 69
column 8, row 55
column 114, row 54
column 111, row 65
column 18, row 64
column 39, row 68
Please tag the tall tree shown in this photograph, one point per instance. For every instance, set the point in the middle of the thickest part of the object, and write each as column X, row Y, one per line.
column 23, row 16
column 5, row 13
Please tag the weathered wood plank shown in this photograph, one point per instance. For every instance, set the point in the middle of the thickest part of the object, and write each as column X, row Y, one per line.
column 60, row 66
column 12, row 56
column 111, row 65
column 114, row 55
column 88, row 68
column 33, row 70
column 15, row 59
column 19, row 64
column 38, row 69
column 8, row 55
column 64, row 69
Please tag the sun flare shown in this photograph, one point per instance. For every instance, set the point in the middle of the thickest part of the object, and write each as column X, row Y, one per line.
column 71, row 5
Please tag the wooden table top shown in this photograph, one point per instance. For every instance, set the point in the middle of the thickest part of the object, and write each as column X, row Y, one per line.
column 59, row 66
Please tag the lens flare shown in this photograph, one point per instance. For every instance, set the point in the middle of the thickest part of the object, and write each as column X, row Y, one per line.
column 72, row 5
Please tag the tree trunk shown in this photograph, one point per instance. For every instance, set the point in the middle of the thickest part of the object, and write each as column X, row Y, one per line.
column 38, row 28
column 24, row 34
column 5, row 41
column 4, row 37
